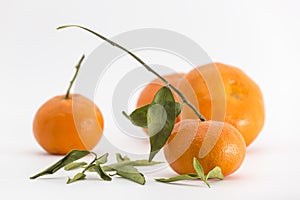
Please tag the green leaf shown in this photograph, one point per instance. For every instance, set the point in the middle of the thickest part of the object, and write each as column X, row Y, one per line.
column 70, row 157
column 131, row 173
column 215, row 173
column 138, row 117
column 178, row 178
column 113, row 166
column 102, row 159
column 74, row 165
column 160, row 119
column 101, row 173
column 78, row 176
column 145, row 163
column 157, row 117
column 199, row 170
column 119, row 158
column 164, row 94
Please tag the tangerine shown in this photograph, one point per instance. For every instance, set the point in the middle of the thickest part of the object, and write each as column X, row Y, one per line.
column 233, row 97
column 213, row 143
column 68, row 122
column 61, row 124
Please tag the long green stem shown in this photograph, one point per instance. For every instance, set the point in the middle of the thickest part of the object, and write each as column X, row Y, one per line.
column 74, row 77
column 184, row 99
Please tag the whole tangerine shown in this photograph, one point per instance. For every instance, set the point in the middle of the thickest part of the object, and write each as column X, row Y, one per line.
column 213, row 143
column 68, row 122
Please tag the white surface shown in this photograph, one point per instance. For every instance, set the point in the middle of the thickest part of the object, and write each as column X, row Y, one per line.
column 261, row 37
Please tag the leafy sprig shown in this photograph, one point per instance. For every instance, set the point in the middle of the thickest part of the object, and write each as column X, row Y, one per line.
column 159, row 117
column 124, row 167
column 69, row 158
column 161, row 113
column 215, row 173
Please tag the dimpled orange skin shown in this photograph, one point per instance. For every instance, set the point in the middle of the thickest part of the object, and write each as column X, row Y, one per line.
column 224, row 146
column 150, row 90
column 244, row 100
column 61, row 125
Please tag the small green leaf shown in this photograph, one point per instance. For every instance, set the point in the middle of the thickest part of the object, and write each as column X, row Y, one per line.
column 119, row 158
column 164, row 94
column 145, row 163
column 178, row 178
column 102, row 159
column 199, row 170
column 74, row 165
column 160, row 119
column 157, row 117
column 215, row 173
column 131, row 173
column 89, row 167
column 138, row 117
column 70, row 157
column 113, row 166
column 101, row 173
column 78, row 176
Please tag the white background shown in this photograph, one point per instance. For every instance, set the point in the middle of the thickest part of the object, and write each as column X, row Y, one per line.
column 261, row 37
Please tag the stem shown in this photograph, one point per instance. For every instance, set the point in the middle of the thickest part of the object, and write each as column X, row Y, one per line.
column 74, row 77
column 183, row 98
column 91, row 163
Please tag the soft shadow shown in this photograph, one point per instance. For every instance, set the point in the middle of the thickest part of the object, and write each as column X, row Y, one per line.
column 232, row 178
column 187, row 184
column 40, row 153
column 51, row 178
column 256, row 150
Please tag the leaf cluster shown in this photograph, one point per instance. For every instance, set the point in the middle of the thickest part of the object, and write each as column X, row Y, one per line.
column 215, row 173
column 158, row 117
column 124, row 167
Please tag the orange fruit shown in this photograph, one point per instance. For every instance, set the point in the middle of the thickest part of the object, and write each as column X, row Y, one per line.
column 68, row 122
column 63, row 124
column 225, row 93
column 150, row 90
column 213, row 143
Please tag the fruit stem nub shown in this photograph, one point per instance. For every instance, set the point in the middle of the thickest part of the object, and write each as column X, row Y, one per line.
column 183, row 98
column 74, row 77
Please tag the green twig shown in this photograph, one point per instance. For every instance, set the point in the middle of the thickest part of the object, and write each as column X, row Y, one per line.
column 184, row 99
column 74, row 77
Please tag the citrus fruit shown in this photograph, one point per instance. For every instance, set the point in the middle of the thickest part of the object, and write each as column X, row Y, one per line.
column 61, row 124
column 213, row 143
column 68, row 122
column 225, row 93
